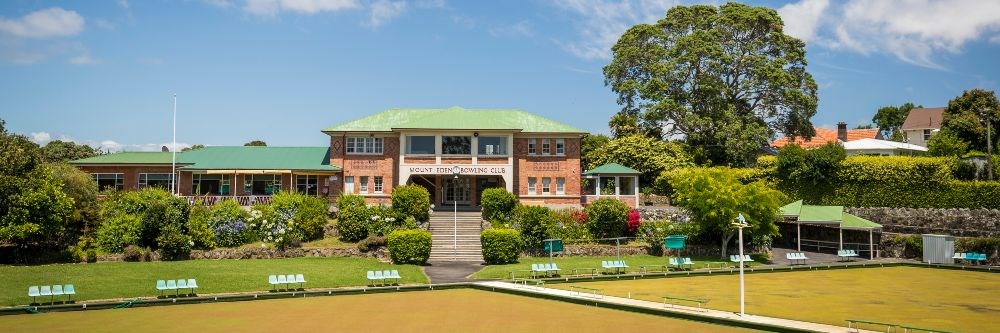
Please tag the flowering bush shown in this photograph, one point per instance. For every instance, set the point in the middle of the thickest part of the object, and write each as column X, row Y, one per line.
column 633, row 221
column 276, row 226
column 570, row 224
column 382, row 222
column 230, row 223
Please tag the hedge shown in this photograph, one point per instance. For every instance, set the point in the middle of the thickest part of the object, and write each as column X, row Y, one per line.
column 411, row 201
column 498, row 204
column 410, row 246
column 353, row 217
column 501, row 246
column 607, row 218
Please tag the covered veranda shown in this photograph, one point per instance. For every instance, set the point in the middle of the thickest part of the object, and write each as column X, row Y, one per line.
column 827, row 219
column 611, row 180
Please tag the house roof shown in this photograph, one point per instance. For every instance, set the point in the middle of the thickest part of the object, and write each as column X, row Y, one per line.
column 228, row 158
column 810, row 214
column 924, row 118
column 612, row 168
column 454, row 118
column 875, row 144
column 825, row 135
column 129, row 158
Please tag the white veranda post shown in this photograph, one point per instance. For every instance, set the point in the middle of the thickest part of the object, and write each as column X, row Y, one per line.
column 455, row 170
column 740, row 224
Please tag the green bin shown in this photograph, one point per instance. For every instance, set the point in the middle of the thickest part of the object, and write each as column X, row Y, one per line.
column 674, row 242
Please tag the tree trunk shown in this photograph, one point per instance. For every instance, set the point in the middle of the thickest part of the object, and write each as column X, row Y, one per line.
column 725, row 242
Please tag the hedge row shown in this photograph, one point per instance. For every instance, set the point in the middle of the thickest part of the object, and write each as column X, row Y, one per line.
column 896, row 181
column 501, row 246
column 410, row 246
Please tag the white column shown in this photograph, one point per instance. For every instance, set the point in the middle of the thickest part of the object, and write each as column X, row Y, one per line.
column 871, row 245
column 510, row 150
column 841, row 237
column 798, row 235
column 437, row 149
column 597, row 187
column 618, row 186
column 635, row 180
column 475, row 149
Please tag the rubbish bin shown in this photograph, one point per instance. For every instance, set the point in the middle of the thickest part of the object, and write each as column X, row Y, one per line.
column 938, row 249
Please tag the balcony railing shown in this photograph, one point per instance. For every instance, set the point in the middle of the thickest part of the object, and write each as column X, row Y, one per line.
column 243, row 200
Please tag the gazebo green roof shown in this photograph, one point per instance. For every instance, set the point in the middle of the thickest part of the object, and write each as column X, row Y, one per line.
column 809, row 214
column 228, row 158
column 612, row 168
column 454, row 118
column 129, row 158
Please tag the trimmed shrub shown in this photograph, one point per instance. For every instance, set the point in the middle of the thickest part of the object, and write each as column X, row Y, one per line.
column 607, row 217
column 230, row 224
column 372, row 243
column 117, row 232
column 132, row 253
column 155, row 207
column 498, row 204
column 198, row 227
column 350, row 200
column 91, row 256
column 308, row 212
column 173, row 244
column 411, row 201
column 409, row 246
column 501, row 246
column 533, row 222
column 352, row 223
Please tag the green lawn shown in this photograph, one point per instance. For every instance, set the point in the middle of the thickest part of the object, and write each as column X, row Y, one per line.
column 952, row 300
column 567, row 264
column 134, row 279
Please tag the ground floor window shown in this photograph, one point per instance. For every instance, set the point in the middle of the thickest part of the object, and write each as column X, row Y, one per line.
column 378, row 184
column 160, row 180
column 109, row 181
column 209, row 184
column 560, row 185
column 546, row 185
column 363, row 186
column 262, row 184
column 349, row 184
column 532, row 182
column 607, row 185
column 626, row 185
column 307, row 184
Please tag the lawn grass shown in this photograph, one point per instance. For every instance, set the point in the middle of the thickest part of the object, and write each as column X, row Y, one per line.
column 950, row 300
column 135, row 279
column 567, row 264
column 455, row 310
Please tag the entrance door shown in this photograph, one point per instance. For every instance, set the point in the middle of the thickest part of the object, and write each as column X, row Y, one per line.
column 456, row 191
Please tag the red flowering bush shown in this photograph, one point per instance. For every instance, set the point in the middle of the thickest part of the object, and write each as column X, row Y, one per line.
column 633, row 221
column 579, row 216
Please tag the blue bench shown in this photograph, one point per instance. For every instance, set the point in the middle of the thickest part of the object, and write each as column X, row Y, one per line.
column 796, row 256
column 846, row 255
column 52, row 291
column 546, row 269
column 176, row 285
column 618, row 265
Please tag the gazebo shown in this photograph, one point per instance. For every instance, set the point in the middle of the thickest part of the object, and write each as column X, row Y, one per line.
column 801, row 214
column 612, row 180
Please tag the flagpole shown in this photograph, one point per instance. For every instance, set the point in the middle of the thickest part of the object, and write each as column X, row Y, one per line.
column 173, row 154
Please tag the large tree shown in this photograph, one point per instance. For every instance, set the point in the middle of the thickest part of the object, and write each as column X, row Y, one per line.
column 644, row 154
column 966, row 117
column 889, row 120
column 714, row 197
column 256, row 143
column 726, row 79
column 65, row 151
column 589, row 144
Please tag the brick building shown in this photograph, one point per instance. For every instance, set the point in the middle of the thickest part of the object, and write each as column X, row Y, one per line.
column 533, row 157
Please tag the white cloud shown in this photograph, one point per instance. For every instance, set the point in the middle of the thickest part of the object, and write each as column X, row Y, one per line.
column 273, row 7
column 802, row 18
column 430, row 3
column 45, row 23
column 41, row 138
column 383, row 11
column 602, row 22
column 83, row 59
column 519, row 29
column 914, row 31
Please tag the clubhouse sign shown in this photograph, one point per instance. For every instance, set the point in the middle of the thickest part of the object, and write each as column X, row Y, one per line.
column 493, row 170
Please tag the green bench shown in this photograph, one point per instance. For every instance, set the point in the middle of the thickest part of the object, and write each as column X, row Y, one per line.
column 580, row 291
column 701, row 302
column 856, row 325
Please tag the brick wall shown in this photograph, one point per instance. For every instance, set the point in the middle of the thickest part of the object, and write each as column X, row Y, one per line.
column 367, row 165
column 547, row 166
column 130, row 172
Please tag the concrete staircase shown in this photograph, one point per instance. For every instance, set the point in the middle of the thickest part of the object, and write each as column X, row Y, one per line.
column 443, row 235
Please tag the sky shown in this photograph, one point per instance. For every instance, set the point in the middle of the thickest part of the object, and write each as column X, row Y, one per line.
column 103, row 73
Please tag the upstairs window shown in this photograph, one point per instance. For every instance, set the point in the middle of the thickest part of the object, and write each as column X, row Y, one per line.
column 456, row 145
column 364, row 145
column 492, row 146
column 532, row 149
column 560, row 146
column 927, row 135
column 545, row 147
column 420, row 145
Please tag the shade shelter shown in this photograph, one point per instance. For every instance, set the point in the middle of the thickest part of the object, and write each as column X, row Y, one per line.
column 831, row 216
column 612, row 180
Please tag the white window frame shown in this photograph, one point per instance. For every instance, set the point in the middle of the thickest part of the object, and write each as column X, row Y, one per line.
column 503, row 144
column 560, row 185
column 377, row 184
column 362, row 145
column 363, row 184
column 409, row 145
column 546, row 147
column 349, row 184
column 119, row 179
column 143, row 180
column 532, row 185
column 309, row 180
column 546, row 185
column 532, row 148
column 927, row 134
column 560, row 147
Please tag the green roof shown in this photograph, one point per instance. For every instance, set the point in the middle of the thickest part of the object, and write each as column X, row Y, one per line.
column 260, row 158
column 612, row 168
column 821, row 213
column 854, row 222
column 454, row 118
column 229, row 158
column 130, row 158
column 792, row 209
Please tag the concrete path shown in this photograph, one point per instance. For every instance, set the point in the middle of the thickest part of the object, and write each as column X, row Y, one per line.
column 451, row 271
column 672, row 308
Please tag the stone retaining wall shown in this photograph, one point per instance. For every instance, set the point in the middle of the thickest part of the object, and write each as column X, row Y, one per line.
column 952, row 221
column 595, row 250
column 268, row 253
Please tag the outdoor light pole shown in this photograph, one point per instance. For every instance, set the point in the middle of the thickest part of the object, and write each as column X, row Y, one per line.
column 454, row 199
column 173, row 154
column 742, row 223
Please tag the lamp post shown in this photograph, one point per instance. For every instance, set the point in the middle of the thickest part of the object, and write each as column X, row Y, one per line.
column 454, row 199
column 740, row 224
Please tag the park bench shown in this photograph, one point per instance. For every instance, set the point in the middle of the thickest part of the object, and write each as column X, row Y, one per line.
column 375, row 276
column 176, row 285
column 736, row 258
column 275, row 280
column 546, row 269
column 593, row 292
column 679, row 263
column 974, row 257
column 391, row 275
column 52, row 291
column 793, row 256
column 846, row 255
column 856, row 323
column 614, row 264
column 699, row 301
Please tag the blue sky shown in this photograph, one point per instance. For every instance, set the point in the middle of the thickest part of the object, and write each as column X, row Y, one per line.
column 102, row 72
